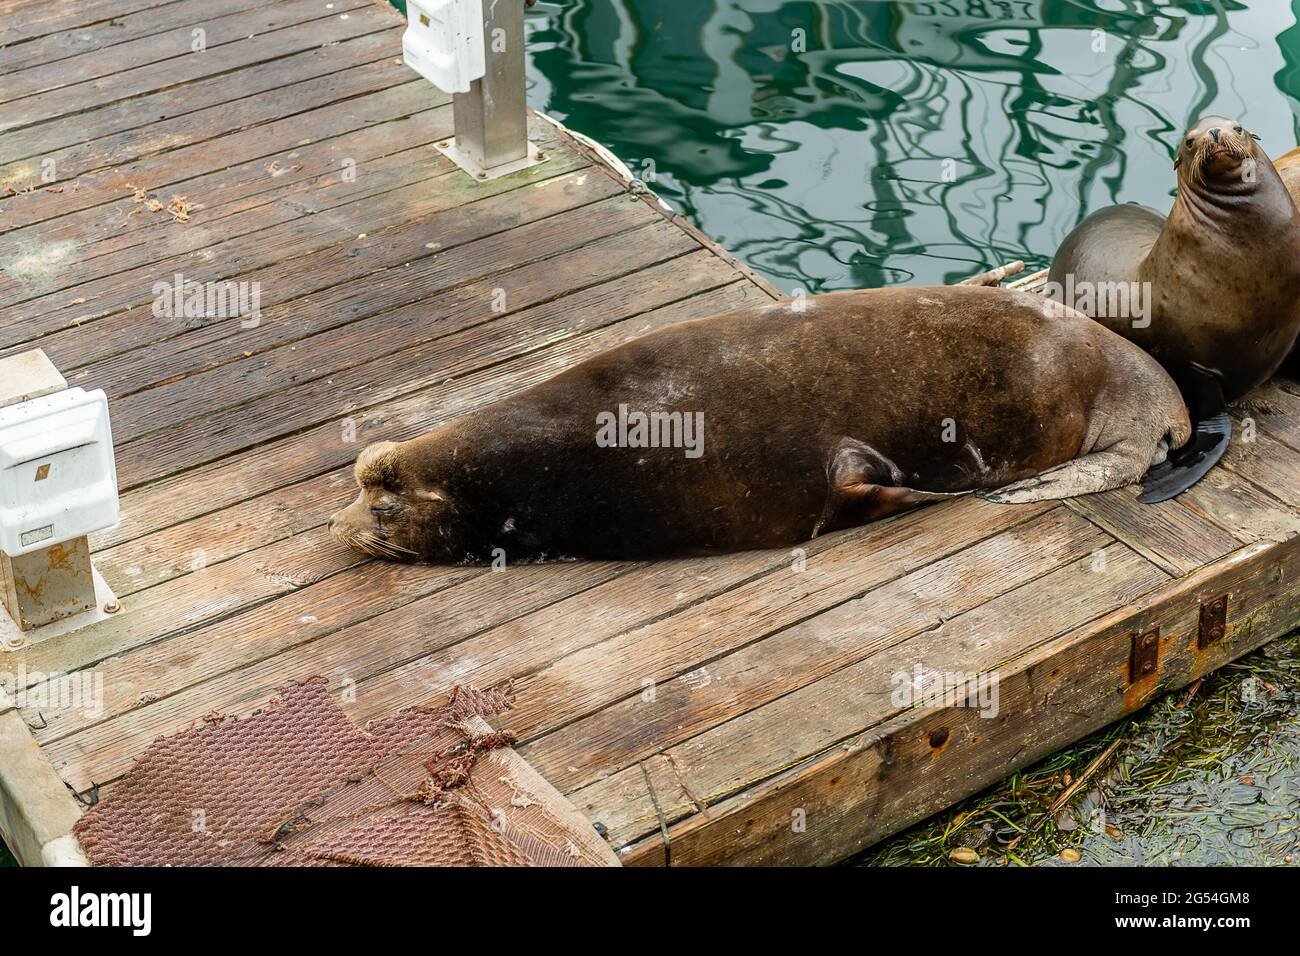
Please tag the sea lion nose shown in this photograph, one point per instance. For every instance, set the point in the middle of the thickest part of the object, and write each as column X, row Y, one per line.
column 1214, row 133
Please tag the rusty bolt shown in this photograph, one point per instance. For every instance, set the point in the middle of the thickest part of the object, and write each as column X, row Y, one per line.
column 1148, row 667
column 112, row 607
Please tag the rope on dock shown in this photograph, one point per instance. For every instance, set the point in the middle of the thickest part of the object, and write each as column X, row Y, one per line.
column 995, row 276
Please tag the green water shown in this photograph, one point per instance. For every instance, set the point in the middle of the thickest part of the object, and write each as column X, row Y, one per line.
column 912, row 141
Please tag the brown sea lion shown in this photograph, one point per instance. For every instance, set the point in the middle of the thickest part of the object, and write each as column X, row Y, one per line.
column 765, row 427
column 1288, row 167
column 1217, row 282
column 1212, row 291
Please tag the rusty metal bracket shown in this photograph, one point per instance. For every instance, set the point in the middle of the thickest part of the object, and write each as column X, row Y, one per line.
column 1214, row 622
column 1144, row 658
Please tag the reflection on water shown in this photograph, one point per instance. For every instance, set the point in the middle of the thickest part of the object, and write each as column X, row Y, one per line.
column 836, row 144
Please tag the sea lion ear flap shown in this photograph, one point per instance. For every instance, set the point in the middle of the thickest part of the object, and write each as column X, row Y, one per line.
column 377, row 465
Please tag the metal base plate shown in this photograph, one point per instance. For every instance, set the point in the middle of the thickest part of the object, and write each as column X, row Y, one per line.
column 14, row 638
column 449, row 149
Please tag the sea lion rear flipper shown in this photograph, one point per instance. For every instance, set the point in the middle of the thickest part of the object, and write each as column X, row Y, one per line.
column 856, row 476
column 1189, row 464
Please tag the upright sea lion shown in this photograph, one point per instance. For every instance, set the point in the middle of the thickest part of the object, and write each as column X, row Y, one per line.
column 765, row 427
column 1212, row 291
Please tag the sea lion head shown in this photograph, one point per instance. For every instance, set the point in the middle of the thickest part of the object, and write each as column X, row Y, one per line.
column 397, row 515
column 1216, row 153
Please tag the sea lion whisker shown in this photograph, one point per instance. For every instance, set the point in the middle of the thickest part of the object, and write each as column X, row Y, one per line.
column 382, row 548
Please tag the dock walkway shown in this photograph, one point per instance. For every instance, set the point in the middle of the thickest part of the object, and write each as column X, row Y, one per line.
column 743, row 709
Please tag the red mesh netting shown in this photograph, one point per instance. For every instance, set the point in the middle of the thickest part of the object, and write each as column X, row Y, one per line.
column 298, row 784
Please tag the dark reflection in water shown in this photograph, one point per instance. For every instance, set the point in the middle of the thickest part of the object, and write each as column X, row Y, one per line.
column 841, row 145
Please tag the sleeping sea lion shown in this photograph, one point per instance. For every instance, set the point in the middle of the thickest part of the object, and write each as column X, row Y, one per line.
column 1212, row 291
column 768, row 426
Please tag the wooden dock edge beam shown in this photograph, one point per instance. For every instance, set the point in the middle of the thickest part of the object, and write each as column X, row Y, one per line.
column 37, row 811
column 888, row 778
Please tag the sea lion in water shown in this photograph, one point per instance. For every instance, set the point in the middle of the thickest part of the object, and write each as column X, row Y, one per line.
column 1213, row 290
column 764, row 427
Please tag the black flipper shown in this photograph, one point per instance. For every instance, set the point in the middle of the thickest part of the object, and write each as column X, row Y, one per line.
column 1187, row 465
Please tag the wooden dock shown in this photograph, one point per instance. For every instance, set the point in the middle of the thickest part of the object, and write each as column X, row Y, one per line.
column 723, row 710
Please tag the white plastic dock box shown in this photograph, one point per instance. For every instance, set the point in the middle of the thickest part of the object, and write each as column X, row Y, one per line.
column 58, row 483
column 57, row 476
column 443, row 42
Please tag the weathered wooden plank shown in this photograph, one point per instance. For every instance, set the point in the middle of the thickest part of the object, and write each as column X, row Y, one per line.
column 1236, row 504
column 164, row 169
column 163, row 120
column 109, row 349
column 340, row 288
column 104, row 750
column 1168, row 534
column 23, row 25
column 207, row 594
column 362, row 68
column 393, row 345
column 110, row 229
column 637, row 726
column 354, row 596
column 636, row 801
column 980, row 641
column 1269, row 465
column 1224, row 510
column 285, row 243
column 98, row 259
column 887, row 778
column 97, row 37
column 166, row 59
column 1275, row 408
column 361, row 136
